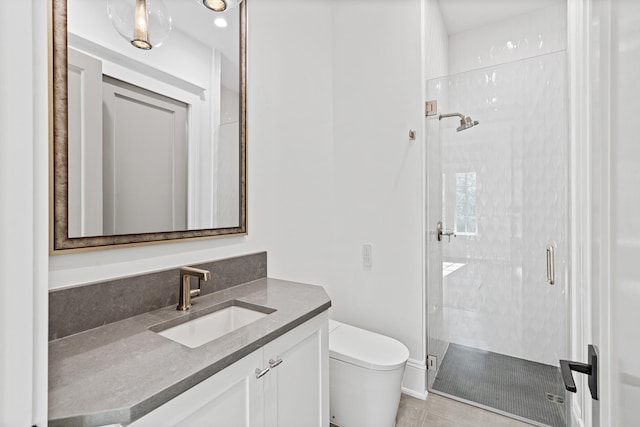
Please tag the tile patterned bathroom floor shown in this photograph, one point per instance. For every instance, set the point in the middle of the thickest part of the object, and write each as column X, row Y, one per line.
column 439, row 411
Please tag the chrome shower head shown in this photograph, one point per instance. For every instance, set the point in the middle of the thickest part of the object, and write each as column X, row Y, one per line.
column 465, row 121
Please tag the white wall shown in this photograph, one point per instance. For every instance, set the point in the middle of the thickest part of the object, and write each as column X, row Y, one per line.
column 23, row 213
column 290, row 122
column 436, row 41
column 376, row 193
column 625, row 212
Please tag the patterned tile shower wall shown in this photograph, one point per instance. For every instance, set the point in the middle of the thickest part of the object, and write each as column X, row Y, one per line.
column 505, row 193
column 524, row 36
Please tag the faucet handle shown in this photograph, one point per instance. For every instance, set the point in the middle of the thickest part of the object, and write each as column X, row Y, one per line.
column 196, row 272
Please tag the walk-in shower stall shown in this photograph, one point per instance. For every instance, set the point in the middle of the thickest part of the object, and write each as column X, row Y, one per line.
column 498, row 237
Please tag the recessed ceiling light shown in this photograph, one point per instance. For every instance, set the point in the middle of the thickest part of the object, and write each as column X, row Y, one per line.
column 220, row 22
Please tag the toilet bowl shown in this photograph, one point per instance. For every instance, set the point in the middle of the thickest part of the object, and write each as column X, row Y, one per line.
column 365, row 376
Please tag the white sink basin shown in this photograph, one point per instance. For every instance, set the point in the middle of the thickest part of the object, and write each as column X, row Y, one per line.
column 204, row 329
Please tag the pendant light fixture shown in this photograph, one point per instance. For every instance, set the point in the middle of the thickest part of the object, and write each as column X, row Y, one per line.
column 220, row 5
column 144, row 23
column 141, row 26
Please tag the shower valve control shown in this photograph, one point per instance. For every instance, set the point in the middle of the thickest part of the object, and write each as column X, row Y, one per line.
column 443, row 232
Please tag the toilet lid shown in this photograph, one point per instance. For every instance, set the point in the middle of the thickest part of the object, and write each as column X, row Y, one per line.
column 365, row 348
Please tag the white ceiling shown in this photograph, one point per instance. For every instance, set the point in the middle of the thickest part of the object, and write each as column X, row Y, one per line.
column 464, row 15
column 196, row 20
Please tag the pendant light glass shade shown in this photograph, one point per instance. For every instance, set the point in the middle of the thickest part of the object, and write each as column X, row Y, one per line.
column 144, row 23
column 220, row 5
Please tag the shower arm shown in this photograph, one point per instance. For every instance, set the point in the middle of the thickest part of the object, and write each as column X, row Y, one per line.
column 444, row 116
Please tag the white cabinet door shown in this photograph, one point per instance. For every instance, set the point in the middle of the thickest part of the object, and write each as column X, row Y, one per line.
column 296, row 389
column 231, row 398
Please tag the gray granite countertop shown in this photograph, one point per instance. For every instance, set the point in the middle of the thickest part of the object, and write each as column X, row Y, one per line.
column 119, row 372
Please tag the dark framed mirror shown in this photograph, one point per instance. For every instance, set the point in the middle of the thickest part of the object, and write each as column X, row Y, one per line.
column 147, row 145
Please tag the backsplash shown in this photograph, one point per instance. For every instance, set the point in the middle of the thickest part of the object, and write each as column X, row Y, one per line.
column 80, row 308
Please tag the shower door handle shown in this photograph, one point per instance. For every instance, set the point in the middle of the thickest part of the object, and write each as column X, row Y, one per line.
column 551, row 273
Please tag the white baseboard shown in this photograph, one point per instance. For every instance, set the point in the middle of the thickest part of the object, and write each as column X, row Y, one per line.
column 414, row 381
column 421, row 396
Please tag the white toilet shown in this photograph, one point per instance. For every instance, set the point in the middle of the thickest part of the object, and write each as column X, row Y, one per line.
column 366, row 372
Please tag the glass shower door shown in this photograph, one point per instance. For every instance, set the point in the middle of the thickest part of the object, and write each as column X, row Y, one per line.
column 496, row 325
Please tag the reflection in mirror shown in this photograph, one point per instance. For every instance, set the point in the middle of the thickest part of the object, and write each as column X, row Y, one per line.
column 156, row 137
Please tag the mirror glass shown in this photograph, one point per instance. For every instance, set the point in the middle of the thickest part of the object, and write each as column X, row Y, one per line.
column 148, row 144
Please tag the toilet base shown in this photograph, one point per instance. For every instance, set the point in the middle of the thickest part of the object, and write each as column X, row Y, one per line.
column 363, row 397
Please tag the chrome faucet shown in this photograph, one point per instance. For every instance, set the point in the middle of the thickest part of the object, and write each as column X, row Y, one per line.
column 186, row 293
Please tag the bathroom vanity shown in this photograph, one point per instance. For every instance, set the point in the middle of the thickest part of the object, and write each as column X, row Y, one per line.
column 272, row 371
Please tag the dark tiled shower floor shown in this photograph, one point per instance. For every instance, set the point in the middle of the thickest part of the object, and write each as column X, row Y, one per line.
column 502, row 382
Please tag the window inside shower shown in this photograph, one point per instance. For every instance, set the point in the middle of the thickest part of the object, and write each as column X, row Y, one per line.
column 465, row 218
column 459, row 197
